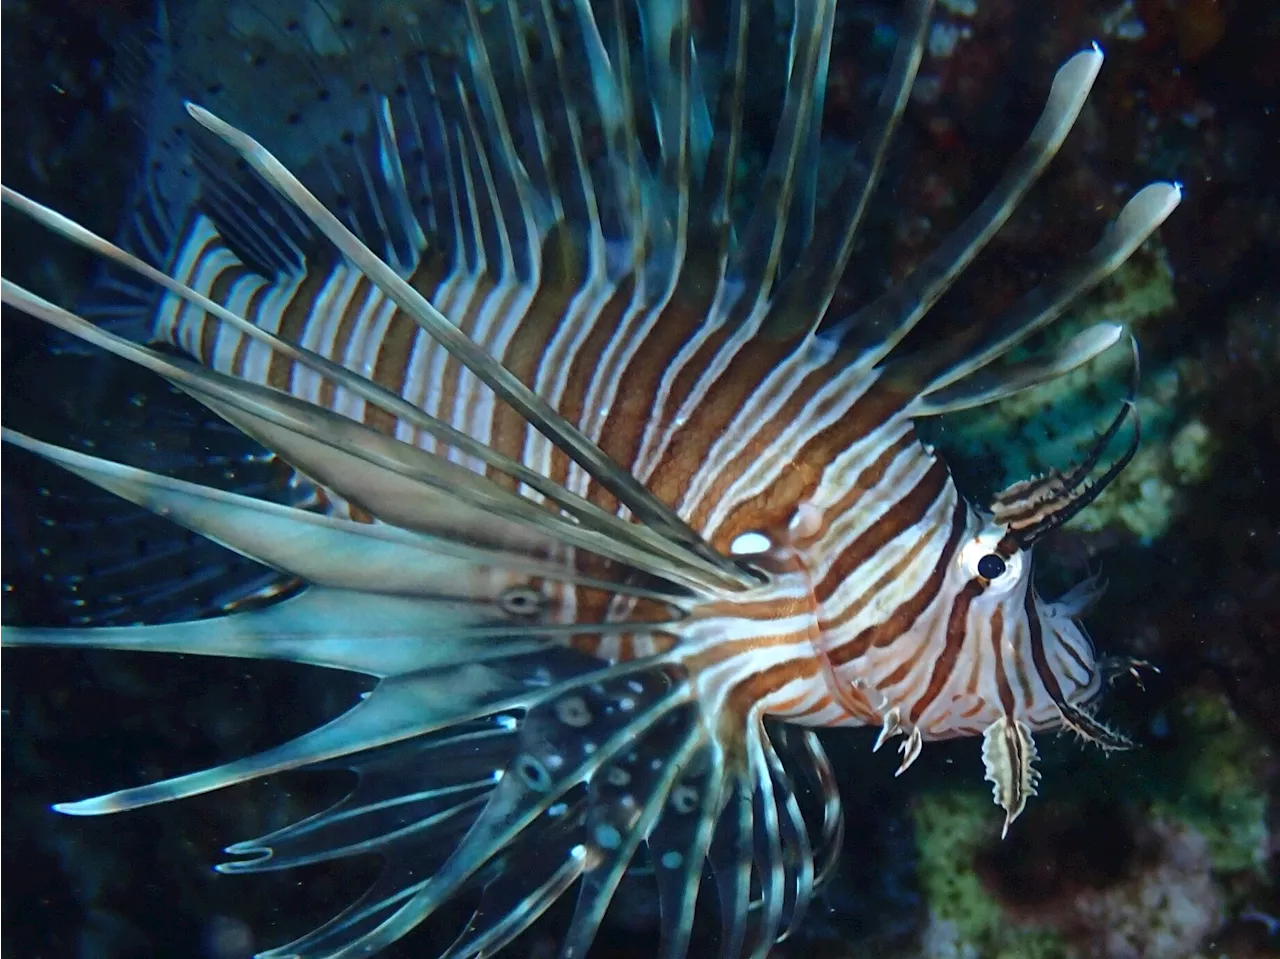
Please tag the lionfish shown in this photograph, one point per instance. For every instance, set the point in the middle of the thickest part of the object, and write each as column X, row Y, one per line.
column 613, row 524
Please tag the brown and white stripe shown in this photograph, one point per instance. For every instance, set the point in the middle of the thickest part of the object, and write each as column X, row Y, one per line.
column 659, row 350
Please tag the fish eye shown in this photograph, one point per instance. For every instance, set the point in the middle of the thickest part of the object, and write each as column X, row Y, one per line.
column 521, row 601
column 982, row 558
column 991, row 566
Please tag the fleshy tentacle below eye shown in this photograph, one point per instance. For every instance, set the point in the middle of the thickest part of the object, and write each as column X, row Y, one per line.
column 1009, row 755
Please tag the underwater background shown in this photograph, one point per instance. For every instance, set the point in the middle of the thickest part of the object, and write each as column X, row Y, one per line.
column 1166, row 851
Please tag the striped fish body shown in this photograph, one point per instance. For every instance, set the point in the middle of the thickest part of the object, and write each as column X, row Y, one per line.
column 600, row 498
column 742, row 435
column 661, row 388
column 738, row 433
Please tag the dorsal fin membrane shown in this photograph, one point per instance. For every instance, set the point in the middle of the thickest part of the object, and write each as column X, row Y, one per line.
column 802, row 299
column 786, row 193
column 163, row 195
column 255, row 225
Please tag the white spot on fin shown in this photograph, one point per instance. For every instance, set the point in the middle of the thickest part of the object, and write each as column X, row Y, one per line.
column 750, row 544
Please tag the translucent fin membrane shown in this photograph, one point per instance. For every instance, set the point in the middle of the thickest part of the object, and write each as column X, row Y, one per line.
column 377, row 635
column 801, row 304
column 1139, row 218
column 328, row 551
column 400, row 709
column 76, row 556
column 787, row 194
column 805, row 761
column 565, row 740
column 892, row 316
column 680, row 842
column 422, row 795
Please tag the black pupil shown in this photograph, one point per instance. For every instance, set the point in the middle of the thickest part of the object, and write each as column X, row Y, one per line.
column 991, row 566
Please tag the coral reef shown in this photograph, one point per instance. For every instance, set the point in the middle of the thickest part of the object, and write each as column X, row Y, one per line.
column 1223, row 771
column 1072, row 885
column 1144, row 854
column 965, row 919
column 1162, row 903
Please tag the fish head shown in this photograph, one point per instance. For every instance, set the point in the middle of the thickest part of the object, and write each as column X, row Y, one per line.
column 1041, row 669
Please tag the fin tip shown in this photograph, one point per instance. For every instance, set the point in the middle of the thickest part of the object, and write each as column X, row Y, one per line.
column 81, row 807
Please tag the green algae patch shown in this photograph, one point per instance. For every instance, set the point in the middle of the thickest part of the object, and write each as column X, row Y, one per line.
column 1147, row 496
column 1206, row 770
column 1219, row 790
column 964, row 918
